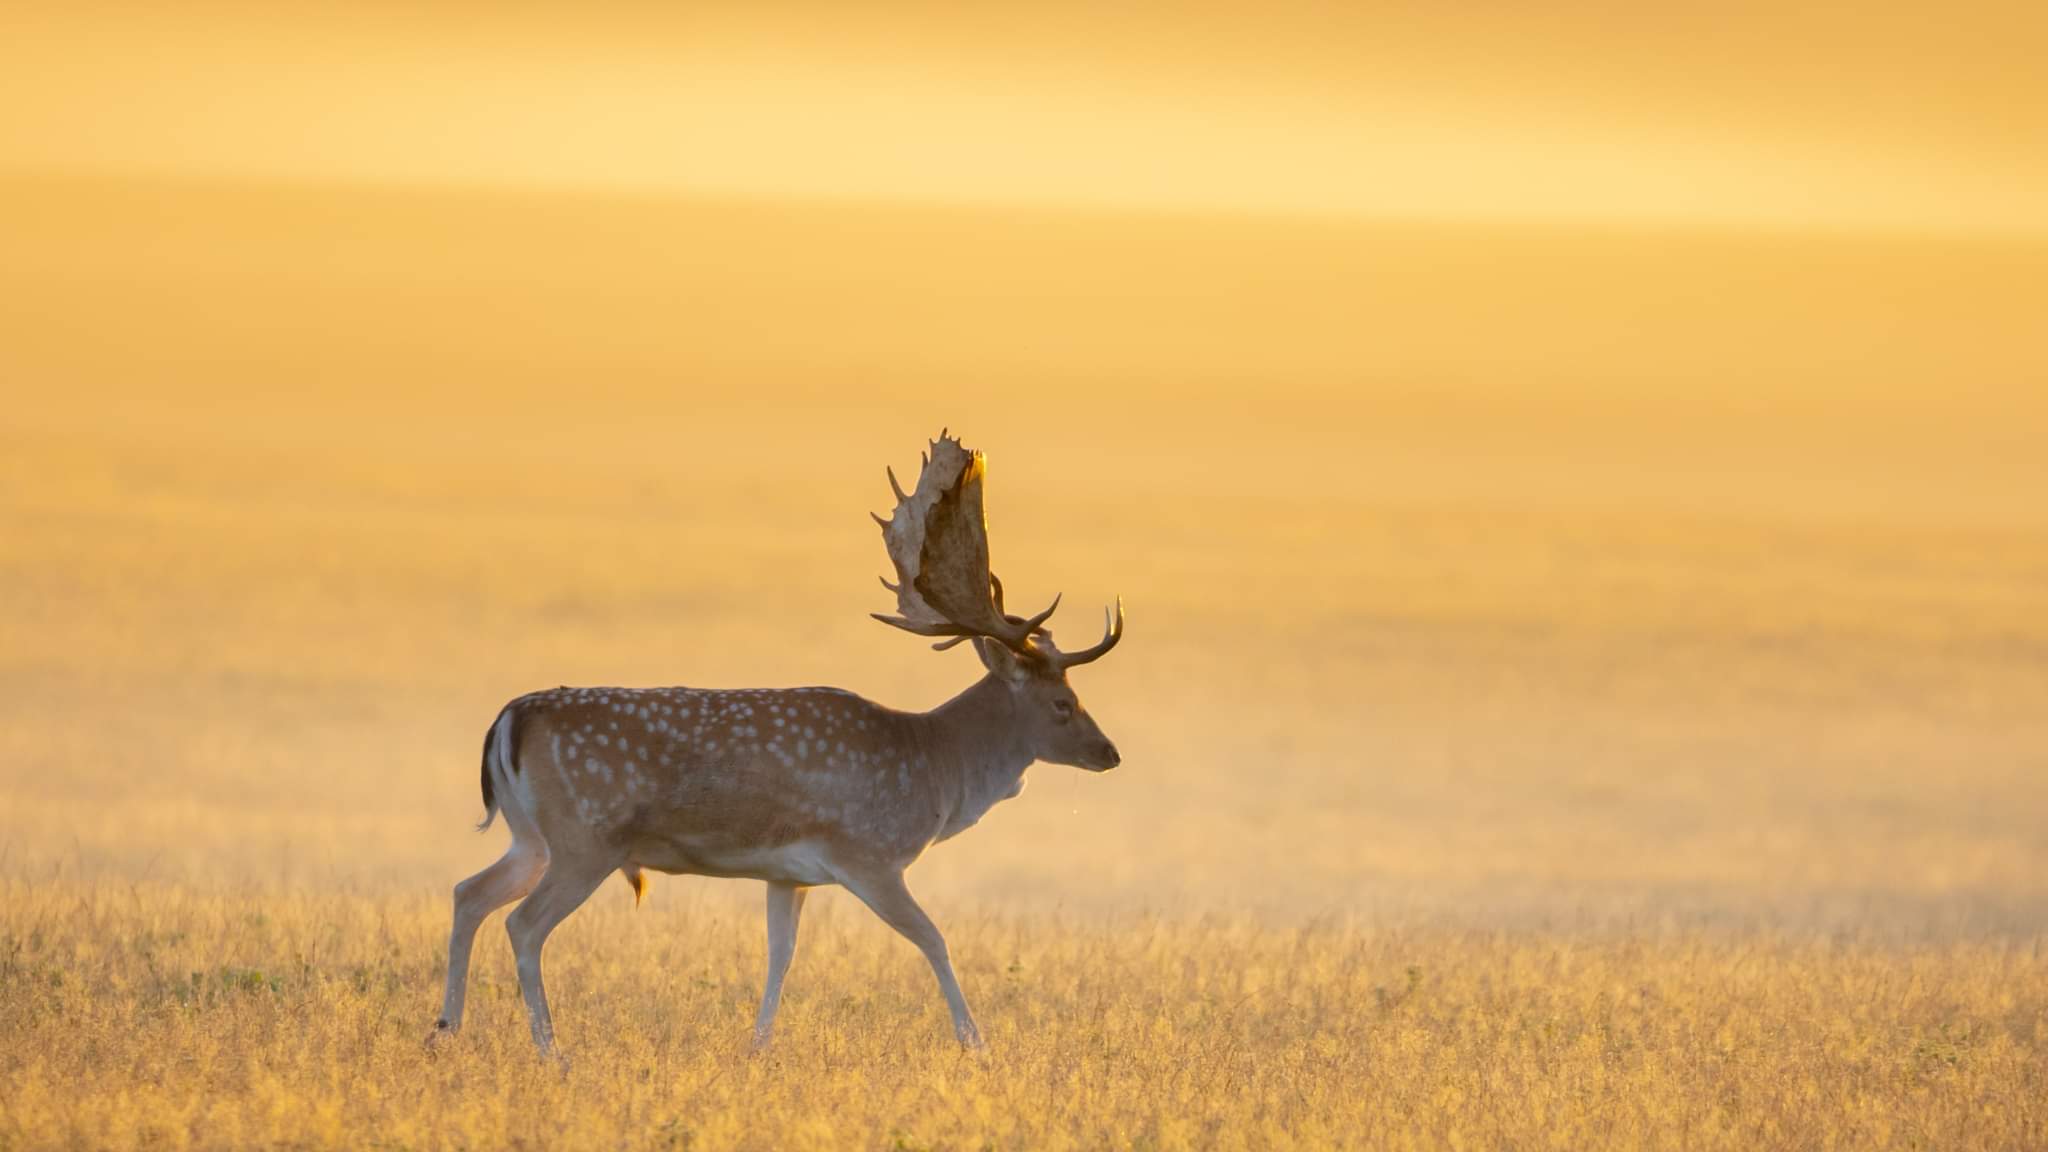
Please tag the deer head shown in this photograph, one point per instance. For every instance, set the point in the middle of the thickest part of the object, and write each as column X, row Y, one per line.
column 937, row 539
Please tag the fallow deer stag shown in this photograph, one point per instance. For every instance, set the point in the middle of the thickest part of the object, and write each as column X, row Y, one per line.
column 798, row 787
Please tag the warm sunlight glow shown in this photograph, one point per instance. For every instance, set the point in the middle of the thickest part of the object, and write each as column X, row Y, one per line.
column 1578, row 472
column 1897, row 117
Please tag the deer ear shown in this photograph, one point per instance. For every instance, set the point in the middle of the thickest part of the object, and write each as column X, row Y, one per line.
column 1001, row 663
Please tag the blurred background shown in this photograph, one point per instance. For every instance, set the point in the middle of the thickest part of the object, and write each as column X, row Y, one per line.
column 1565, row 465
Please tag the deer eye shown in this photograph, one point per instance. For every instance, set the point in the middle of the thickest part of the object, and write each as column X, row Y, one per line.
column 1064, row 709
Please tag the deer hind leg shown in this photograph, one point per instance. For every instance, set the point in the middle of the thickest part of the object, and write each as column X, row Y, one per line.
column 513, row 876
column 889, row 897
column 785, row 907
column 568, row 883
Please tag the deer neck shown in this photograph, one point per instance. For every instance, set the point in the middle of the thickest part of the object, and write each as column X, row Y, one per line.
column 978, row 753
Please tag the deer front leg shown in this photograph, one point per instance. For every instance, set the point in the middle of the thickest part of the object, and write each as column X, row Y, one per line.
column 785, row 906
column 885, row 892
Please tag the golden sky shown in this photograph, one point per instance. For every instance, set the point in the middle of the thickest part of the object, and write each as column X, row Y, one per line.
column 1864, row 116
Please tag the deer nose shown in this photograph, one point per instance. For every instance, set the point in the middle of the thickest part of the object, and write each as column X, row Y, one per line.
column 1108, row 753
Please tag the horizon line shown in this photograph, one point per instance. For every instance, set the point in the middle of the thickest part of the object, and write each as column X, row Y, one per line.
column 1625, row 223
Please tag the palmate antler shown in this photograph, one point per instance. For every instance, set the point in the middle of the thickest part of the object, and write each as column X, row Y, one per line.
column 938, row 540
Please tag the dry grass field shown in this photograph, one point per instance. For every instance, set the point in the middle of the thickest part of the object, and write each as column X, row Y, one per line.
column 162, row 1017
column 1629, row 729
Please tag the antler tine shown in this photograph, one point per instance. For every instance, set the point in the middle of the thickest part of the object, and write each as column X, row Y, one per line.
column 1113, row 631
column 917, row 629
column 894, row 486
column 1033, row 624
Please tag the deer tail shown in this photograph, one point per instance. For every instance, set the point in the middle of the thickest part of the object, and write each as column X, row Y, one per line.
column 498, row 745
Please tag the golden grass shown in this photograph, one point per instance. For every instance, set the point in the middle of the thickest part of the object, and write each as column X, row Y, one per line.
column 163, row 1017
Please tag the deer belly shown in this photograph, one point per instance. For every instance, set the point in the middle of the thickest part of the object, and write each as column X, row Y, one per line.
column 797, row 862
